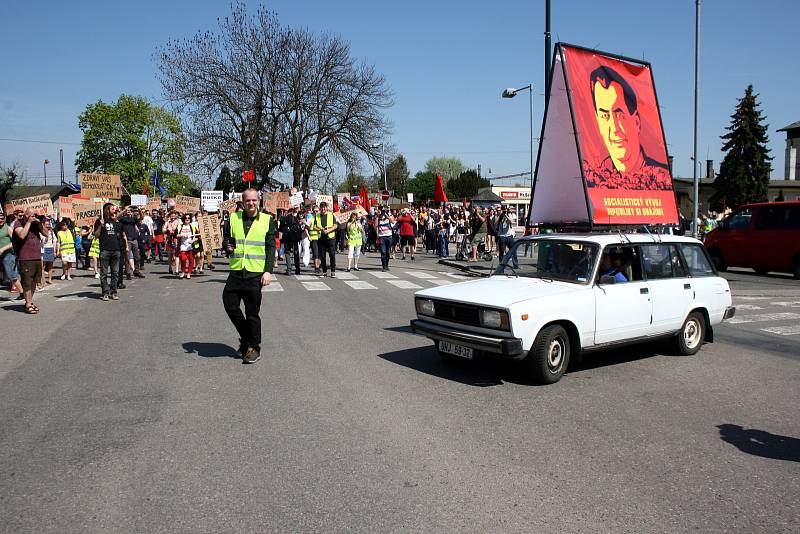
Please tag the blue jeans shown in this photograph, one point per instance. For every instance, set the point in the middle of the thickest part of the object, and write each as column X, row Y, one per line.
column 443, row 246
column 10, row 266
column 386, row 250
column 505, row 243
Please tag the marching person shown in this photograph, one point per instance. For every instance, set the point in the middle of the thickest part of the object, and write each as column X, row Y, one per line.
column 355, row 238
column 187, row 235
column 326, row 224
column 383, row 229
column 28, row 234
column 108, row 233
column 250, row 238
column 65, row 247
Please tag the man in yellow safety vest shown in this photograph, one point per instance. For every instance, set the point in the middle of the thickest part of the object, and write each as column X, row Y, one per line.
column 249, row 236
column 325, row 225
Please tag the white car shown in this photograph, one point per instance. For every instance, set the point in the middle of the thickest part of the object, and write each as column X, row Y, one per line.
column 558, row 296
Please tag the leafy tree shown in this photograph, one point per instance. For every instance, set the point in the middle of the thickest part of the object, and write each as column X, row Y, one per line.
column 132, row 138
column 466, row 185
column 353, row 182
column 449, row 168
column 10, row 175
column 397, row 174
column 421, row 186
column 744, row 173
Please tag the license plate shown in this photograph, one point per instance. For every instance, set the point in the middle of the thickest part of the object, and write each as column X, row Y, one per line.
column 455, row 350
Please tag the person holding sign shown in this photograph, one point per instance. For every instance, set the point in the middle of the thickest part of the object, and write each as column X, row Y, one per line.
column 108, row 232
column 249, row 238
column 28, row 233
column 187, row 234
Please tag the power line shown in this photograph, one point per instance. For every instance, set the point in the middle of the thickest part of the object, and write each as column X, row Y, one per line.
column 38, row 141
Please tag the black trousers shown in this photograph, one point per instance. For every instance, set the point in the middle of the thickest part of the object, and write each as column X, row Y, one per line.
column 329, row 246
column 291, row 254
column 247, row 324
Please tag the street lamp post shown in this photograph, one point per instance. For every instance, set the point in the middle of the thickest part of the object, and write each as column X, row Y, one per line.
column 45, row 170
column 383, row 157
column 511, row 93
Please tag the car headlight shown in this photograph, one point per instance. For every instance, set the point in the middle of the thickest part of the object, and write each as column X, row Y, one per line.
column 494, row 319
column 425, row 307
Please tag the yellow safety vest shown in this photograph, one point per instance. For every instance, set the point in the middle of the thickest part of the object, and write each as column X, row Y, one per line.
column 250, row 253
column 319, row 224
column 67, row 242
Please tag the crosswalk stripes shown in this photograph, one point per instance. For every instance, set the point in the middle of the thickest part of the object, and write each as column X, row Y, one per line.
column 382, row 275
column 787, row 330
column 440, row 282
column 315, row 286
column 360, row 284
column 305, row 278
column 344, row 275
column 273, row 286
column 757, row 317
column 404, row 284
column 423, row 275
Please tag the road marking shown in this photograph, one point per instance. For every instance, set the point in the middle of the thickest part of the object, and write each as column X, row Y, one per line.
column 305, row 277
column 748, row 307
column 382, row 275
column 273, row 286
column 750, row 298
column 440, row 282
column 315, row 286
column 790, row 330
column 344, row 275
column 424, row 276
column 404, row 284
column 70, row 298
column 788, row 304
column 358, row 284
column 455, row 275
column 758, row 317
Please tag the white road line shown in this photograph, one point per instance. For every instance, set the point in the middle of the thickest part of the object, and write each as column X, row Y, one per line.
column 382, row 275
column 404, row 284
column 273, row 286
column 344, row 275
column 305, row 277
column 315, row 286
column 359, row 284
column 748, row 307
column 788, row 304
column 791, row 330
column 749, row 298
column 455, row 275
column 70, row 298
column 424, row 276
column 440, row 282
column 758, row 317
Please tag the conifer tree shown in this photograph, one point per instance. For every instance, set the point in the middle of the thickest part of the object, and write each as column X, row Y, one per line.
column 744, row 174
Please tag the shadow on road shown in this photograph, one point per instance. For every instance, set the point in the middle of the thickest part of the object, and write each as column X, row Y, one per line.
column 210, row 350
column 87, row 294
column 213, row 280
column 404, row 329
column 761, row 443
column 620, row 355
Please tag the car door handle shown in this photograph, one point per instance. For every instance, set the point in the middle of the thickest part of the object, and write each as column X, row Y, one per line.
column 687, row 286
column 644, row 291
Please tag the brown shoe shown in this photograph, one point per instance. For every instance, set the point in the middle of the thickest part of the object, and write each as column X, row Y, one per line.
column 251, row 356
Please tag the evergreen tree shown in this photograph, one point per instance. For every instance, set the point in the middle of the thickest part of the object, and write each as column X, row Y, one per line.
column 744, row 174
column 466, row 185
column 224, row 180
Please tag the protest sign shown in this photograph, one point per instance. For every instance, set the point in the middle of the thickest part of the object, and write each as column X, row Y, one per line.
column 269, row 203
column 86, row 212
column 344, row 216
column 186, row 204
column 65, row 210
column 210, row 200
column 94, row 185
column 410, row 197
column 138, row 200
column 296, row 199
column 272, row 202
column 41, row 204
column 324, row 198
column 153, row 203
column 210, row 232
column 226, row 205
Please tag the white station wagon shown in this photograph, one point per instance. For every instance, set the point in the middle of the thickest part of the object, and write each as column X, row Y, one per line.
column 558, row 296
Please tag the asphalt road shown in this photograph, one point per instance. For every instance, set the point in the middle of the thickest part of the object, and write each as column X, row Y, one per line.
column 135, row 416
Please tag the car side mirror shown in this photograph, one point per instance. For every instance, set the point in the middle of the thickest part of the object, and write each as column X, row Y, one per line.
column 607, row 279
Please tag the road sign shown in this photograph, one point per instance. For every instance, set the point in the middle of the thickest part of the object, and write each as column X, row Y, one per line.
column 385, row 195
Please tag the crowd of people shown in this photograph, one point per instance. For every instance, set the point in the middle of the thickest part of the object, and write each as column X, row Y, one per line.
column 124, row 240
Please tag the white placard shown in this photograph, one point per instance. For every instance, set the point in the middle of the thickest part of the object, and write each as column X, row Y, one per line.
column 410, row 197
column 138, row 200
column 296, row 199
column 209, row 200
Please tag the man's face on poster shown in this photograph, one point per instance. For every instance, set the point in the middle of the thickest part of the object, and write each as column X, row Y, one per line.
column 618, row 127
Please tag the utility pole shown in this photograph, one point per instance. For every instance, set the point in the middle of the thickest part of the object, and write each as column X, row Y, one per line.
column 547, row 53
column 61, row 158
column 696, row 211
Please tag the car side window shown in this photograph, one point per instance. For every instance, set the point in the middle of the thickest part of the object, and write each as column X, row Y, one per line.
column 662, row 261
column 778, row 218
column 621, row 262
column 739, row 220
column 697, row 260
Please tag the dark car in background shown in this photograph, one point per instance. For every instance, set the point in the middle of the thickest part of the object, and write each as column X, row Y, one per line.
column 763, row 236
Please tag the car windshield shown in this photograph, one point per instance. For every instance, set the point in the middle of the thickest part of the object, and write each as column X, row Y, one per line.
column 553, row 259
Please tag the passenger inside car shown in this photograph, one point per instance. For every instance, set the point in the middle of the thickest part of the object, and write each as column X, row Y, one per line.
column 614, row 263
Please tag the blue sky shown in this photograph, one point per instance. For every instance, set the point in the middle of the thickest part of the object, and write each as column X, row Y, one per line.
column 447, row 62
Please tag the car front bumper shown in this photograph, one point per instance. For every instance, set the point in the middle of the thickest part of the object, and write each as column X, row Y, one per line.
column 509, row 347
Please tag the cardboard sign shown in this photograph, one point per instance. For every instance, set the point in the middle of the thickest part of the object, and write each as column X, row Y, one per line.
column 344, row 216
column 94, row 185
column 86, row 212
column 296, row 199
column 324, row 198
column 226, row 205
column 210, row 231
column 610, row 168
column 272, row 202
column 138, row 200
column 186, row 204
column 65, row 209
column 41, row 204
column 153, row 203
column 210, row 200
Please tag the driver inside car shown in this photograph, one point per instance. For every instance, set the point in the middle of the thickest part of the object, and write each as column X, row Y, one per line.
column 608, row 268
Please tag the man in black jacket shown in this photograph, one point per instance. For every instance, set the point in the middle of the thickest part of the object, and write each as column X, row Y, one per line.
column 290, row 233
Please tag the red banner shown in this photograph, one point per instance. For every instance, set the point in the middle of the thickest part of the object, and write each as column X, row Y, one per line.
column 621, row 139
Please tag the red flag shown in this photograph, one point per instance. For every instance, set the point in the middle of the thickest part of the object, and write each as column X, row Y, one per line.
column 465, row 202
column 439, row 195
column 248, row 176
column 364, row 197
column 146, row 189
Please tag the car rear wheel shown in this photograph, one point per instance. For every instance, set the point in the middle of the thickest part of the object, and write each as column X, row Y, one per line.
column 549, row 356
column 691, row 335
column 796, row 268
column 718, row 260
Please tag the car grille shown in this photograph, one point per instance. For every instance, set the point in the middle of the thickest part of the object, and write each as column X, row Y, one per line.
column 457, row 313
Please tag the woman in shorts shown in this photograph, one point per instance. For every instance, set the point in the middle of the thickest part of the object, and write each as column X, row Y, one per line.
column 355, row 238
column 48, row 255
column 65, row 249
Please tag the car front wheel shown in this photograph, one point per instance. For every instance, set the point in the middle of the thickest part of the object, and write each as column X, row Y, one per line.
column 549, row 356
column 691, row 335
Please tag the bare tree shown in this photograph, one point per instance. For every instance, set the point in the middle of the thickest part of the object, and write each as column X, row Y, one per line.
column 258, row 95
